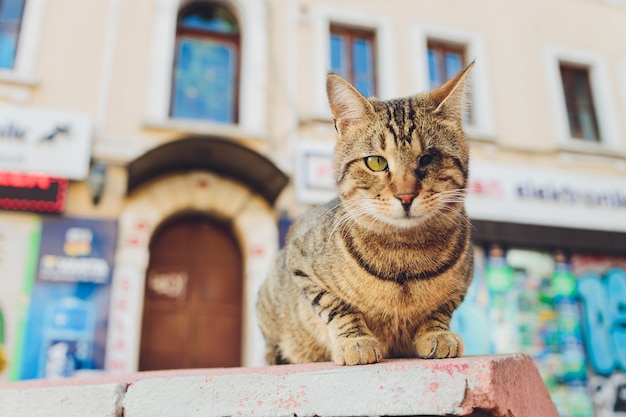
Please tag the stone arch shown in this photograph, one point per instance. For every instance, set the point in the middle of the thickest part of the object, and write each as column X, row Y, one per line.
column 254, row 226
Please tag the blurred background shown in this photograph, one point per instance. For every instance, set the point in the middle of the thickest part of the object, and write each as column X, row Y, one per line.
column 154, row 152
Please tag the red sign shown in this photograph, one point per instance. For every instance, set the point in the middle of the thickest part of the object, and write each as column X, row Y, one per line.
column 32, row 192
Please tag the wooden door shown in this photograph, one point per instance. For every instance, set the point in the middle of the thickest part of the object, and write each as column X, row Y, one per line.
column 192, row 305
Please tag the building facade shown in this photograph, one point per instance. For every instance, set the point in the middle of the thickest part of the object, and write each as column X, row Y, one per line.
column 151, row 151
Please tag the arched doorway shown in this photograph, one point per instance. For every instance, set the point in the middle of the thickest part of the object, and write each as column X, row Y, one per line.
column 161, row 185
column 193, row 296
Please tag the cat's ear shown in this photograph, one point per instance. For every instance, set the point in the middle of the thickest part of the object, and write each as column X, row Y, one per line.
column 346, row 103
column 449, row 97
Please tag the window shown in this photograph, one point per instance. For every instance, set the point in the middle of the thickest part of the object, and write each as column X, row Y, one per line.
column 352, row 57
column 10, row 21
column 579, row 103
column 438, row 52
column 206, row 64
column 249, row 23
column 444, row 61
column 331, row 23
column 582, row 99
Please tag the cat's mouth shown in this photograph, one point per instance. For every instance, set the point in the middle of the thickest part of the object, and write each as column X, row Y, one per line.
column 408, row 212
column 407, row 219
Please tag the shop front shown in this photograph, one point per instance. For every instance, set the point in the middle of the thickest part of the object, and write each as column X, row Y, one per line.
column 550, row 280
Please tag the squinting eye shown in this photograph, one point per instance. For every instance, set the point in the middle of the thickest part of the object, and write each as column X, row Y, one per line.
column 376, row 163
column 425, row 160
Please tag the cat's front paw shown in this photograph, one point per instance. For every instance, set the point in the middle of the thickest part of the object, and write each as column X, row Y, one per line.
column 438, row 345
column 357, row 351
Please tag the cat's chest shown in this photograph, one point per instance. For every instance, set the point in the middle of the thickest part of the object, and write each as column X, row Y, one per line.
column 395, row 260
column 380, row 298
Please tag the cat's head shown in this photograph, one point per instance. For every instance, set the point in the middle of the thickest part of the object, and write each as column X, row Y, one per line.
column 400, row 162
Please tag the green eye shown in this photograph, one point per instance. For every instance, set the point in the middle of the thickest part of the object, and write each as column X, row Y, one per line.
column 376, row 163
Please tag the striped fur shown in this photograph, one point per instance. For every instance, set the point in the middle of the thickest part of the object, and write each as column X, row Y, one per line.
column 378, row 272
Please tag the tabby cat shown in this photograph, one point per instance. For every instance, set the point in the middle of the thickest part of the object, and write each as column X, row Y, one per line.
column 378, row 272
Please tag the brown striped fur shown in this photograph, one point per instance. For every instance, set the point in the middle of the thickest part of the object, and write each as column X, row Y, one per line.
column 378, row 272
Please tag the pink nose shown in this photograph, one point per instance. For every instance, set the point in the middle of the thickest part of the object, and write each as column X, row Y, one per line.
column 406, row 199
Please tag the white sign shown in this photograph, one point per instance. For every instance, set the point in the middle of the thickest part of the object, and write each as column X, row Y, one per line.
column 315, row 182
column 50, row 142
column 548, row 197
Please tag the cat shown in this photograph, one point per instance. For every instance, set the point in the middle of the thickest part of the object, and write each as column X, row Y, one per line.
column 377, row 272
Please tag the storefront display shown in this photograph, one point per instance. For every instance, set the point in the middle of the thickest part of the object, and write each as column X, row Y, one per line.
column 567, row 313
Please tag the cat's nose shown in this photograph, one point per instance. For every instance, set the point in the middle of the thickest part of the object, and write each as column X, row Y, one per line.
column 406, row 198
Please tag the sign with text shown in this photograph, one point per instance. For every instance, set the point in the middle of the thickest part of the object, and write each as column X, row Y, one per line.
column 549, row 197
column 30, row 192
column 51, row 142
column 68, row 313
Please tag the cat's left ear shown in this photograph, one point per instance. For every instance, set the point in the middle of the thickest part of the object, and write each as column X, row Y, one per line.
column 348, row 106
column 449, row 97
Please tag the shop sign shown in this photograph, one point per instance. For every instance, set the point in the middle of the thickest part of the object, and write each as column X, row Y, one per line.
column 51, row 142
column 69, row 307
column 550, row 197
column 32, row 192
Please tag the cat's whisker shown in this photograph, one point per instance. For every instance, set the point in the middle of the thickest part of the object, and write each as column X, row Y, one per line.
column 351, row 213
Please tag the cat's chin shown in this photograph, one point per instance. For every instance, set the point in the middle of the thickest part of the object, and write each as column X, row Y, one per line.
column 405, row 223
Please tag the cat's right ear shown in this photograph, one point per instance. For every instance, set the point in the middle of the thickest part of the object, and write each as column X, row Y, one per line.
column 346, row 103
column 450, row 96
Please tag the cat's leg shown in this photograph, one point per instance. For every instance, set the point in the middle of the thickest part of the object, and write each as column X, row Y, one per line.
column 352, row 342
column 434, row 340
column 273, row 355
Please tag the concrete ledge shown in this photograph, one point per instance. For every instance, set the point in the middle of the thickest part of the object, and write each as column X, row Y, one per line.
column 498, row 385
column 101, row 400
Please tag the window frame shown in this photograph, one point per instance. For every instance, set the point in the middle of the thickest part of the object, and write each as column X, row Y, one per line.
column 254, row 52
column 27, row 48
column 622, row 79
column 15, row 30
column 225, row 38
column 351, row 34
column 601, row 93
column 433, row 44
column 321, row 18
column 568, row 71
column 481, row 125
